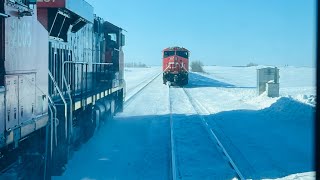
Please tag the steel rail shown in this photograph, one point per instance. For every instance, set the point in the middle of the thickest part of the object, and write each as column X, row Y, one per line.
column 126, row 103
column 172, row 143
column 212, row 135
column 142, row 82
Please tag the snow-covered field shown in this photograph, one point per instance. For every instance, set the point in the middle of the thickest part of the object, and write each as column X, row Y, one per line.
column 267, row 138
column 296, row 82
column 137, row 77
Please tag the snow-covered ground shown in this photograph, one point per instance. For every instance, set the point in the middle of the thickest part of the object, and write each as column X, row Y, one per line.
column 296, row 82
column 138, row 77
column 267, row 138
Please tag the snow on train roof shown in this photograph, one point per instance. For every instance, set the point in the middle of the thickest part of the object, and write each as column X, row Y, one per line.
column 175, row 48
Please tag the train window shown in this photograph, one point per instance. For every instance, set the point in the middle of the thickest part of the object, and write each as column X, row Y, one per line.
column 183, row 54
column 113, row 36
column 168, row 53
column 123, row 40
column 112, row 40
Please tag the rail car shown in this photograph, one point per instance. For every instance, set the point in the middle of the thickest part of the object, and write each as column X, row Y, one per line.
column 61, row 77
column 175, row 66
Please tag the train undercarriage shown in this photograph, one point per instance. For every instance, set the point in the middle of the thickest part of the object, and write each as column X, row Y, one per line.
column 176, row 79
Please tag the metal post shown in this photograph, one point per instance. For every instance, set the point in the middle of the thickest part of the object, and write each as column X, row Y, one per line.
column 70, row 106
column 64, row 102
column 86, row 78
column 53, row 119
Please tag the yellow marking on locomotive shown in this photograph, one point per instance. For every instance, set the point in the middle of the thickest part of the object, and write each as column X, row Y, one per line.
column 89, row 100
column 77, row 105
column 10, row 138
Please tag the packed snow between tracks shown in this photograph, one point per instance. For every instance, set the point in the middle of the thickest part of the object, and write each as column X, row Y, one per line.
column 268, row 138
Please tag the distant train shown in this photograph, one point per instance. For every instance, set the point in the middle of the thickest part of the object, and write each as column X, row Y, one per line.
column 61, row 76
column 175, row 66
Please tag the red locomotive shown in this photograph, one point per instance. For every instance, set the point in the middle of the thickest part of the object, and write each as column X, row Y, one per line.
column 61, row 74
column 175, row 66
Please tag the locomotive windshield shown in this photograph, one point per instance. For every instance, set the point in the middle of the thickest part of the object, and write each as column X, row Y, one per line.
column 183, row 54
column 168, row 53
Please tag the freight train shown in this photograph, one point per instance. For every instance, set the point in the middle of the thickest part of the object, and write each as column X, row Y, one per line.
column 61, row 77
column 175, row 66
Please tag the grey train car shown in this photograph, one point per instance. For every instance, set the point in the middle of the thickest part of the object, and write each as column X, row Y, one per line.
column 61, row 77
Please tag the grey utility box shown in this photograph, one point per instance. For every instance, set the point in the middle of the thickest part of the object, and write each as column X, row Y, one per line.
column 272, row 89
column 268, row 80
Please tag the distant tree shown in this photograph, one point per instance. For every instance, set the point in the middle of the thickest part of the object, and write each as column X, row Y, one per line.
column 252, row 64
column 197, row 66
column 135, row 65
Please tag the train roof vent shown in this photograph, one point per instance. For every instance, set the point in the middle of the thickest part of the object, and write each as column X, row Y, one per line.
column 59, row 23
column 80, row 8
column 78, row 24
column 59, row 15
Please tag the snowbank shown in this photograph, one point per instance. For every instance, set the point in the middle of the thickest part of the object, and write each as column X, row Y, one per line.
column 270, row 143
column 299, row 176
column 296, row 82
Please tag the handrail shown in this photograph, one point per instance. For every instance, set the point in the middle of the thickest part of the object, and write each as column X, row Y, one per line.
column 51, row 130
column 78, row 62
column 185, row 69
column 64, row 102
column 166, row 69
column 4, row 15
column 71, row 103
column 54, row 118
column 64, row 83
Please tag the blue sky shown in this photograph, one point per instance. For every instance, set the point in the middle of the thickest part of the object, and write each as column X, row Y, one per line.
column 217, row 32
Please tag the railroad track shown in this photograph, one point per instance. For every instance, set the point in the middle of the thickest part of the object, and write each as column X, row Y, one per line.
column 142, row 82
column 200, row 111
column 130, row 98
column 174, row 173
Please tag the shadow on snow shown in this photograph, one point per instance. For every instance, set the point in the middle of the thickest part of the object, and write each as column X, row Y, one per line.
column 198, row 80
column 268, row 143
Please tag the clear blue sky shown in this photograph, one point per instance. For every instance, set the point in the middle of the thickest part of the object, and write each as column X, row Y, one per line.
column 217, row 32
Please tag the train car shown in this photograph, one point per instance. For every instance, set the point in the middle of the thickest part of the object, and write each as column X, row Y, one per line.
column 175, row 66
column 23, row 83
column 61, row 77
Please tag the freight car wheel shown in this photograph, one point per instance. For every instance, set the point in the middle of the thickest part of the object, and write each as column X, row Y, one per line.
column 88, row 125
column 185, row 82
column 175, row 79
